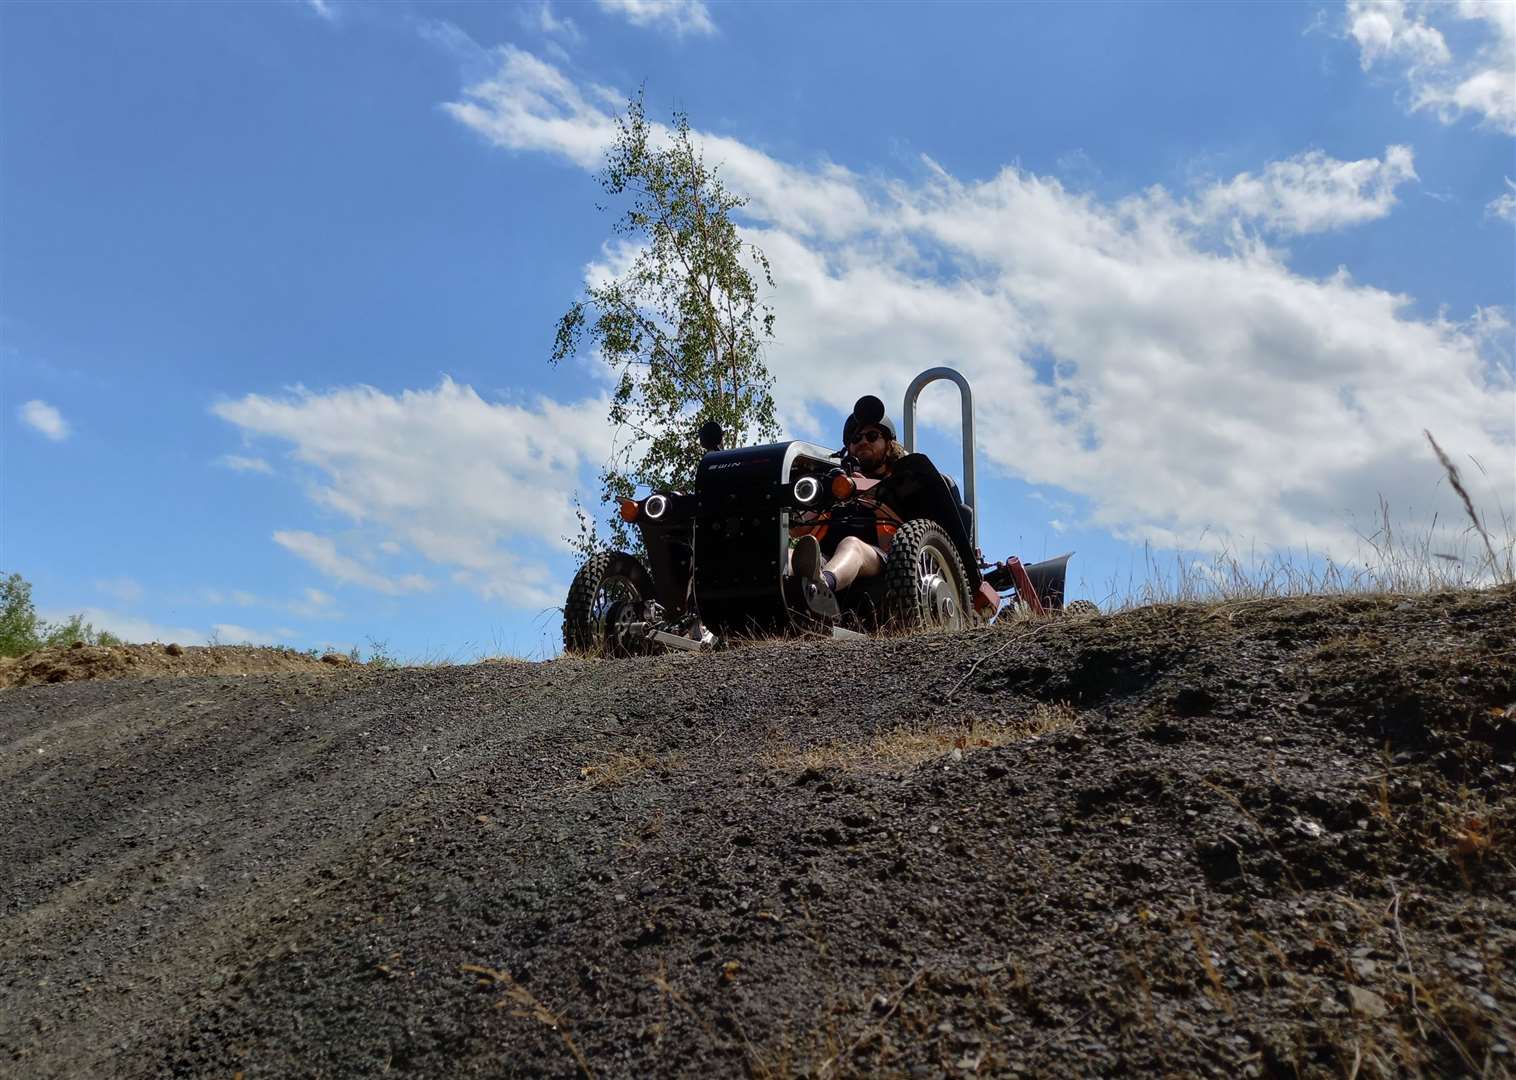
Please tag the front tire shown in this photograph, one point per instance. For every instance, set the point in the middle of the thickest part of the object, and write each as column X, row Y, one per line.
column 925, row 585
column 608, row 591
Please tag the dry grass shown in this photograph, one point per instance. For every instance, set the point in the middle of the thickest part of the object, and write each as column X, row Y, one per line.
column 524, row 1005
column 903, row 748
column 615, row 767
column 1482, row 553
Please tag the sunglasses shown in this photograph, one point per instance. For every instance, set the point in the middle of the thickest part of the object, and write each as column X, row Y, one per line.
column 871, row 435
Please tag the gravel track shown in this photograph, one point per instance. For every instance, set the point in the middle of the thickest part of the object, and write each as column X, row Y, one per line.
column 1263, row 839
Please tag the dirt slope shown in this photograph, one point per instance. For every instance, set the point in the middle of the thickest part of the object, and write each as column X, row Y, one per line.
column 1267, row 839
column 70, row 663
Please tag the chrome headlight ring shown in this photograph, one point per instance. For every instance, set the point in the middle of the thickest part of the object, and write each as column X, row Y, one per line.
column 806, row 490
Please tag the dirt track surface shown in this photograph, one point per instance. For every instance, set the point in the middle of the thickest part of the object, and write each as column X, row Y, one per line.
column 1269, row 839
column 71, row 663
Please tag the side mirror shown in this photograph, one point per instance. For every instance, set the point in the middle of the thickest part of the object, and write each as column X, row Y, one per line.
column 711, row 435
column 868, row 410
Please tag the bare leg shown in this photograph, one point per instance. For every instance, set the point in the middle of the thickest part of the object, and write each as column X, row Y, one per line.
column 852, row 560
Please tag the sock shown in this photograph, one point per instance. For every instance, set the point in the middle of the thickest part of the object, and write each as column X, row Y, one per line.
column 831, row 579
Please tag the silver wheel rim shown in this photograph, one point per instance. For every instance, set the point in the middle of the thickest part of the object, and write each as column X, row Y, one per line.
column 938, row 589
column 611, row 608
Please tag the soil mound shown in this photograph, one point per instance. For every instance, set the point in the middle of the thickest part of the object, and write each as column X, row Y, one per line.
column 80, row 661
column 1263, row 839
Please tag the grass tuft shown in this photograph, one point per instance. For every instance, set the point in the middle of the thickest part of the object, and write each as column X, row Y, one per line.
column 615, row 768
column 903, row 748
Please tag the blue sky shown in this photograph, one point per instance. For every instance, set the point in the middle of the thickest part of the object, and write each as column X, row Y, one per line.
column 278, row 281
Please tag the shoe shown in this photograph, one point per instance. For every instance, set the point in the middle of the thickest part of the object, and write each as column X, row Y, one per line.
column 805, row 561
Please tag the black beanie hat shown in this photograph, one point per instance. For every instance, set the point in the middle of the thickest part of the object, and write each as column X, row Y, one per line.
column 868, row 411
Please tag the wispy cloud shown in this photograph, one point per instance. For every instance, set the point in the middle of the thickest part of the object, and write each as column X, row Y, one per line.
column 238, row 463
column 321, row 552
column 528, row 103
column 682, row 18
column 324, row 8
column 232, row 634
column 543, row 19
column 1480, row 80
column 315, row 604
column 1504, row 206
column 44, row 419
column 1311, row 192
column 443, row 473
column 123, row 589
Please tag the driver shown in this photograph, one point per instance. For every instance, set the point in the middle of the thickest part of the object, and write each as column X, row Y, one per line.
column 870, row 451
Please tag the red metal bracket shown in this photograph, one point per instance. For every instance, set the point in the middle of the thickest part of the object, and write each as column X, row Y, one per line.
column 1024, row 590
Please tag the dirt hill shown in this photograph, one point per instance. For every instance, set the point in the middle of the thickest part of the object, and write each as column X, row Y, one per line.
column 70, row 663
column 1262, row 839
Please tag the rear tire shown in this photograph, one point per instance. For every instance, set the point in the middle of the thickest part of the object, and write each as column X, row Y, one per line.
column 608, row 588
column 925, row 586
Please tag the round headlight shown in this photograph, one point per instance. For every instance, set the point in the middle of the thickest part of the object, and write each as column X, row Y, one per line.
column 655, row 506
column 806, row 489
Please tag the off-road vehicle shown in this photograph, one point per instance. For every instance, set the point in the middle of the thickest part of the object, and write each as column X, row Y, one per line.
column 717, row 557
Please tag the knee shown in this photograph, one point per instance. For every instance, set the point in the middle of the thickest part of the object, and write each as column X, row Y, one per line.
column 851, row 545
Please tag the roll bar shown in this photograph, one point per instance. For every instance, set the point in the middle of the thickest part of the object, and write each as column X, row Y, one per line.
column 912, row 392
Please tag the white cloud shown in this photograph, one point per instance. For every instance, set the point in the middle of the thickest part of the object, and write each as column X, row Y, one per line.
column 129, row 628
column 1480, row 81
column 1196, row 392
column 43, row 418
column 541, row 17
column 232, row 634
column 1503, row 206
column 1311, row 192
column 678, row 17
column 528, row 104
column 466, row 483
column 1384, row 30
column 323, row 8
column 238, row 463
column 310, row 603
column 314, row 604
column 123, row 589
column 321, row 552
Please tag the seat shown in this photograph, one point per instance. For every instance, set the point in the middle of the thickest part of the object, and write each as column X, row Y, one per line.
column 965, row 511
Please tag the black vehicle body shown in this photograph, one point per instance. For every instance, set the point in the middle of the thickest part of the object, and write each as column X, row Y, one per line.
column 722, row 552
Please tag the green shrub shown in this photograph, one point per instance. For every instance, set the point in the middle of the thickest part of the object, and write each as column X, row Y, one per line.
column 21, row 631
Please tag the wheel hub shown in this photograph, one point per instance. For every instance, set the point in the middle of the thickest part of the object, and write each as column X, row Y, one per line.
column 939, row 592
column 615, row 608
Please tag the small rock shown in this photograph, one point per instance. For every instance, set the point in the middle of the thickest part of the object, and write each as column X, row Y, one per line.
column 1307, row 827
column 1367, row 1003
column 173, row 648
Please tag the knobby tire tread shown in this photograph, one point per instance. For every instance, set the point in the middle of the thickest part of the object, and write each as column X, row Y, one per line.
column 903, row 604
